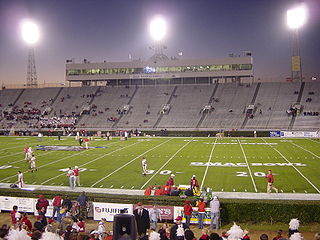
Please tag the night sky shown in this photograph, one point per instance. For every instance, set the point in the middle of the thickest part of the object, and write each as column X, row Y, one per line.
column 110, row 30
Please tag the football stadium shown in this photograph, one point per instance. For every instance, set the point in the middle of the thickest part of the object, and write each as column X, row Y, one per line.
column 161, row 133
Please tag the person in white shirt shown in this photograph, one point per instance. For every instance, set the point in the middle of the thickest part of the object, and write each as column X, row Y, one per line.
column 29, row 153
column 33, row 163
column 144, row 166
column 20, row 179
column 215, row 212
column 40, row 137
column 155, row 216
column 71, row 178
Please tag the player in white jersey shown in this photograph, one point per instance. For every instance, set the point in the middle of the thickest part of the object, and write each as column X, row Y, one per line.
column 20, row 179
column 144, row 166
column 33, row 163
column 29, row 153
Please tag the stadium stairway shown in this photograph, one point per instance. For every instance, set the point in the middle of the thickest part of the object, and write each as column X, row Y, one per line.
column 90, row 102
column 293, row 118
column 16, row 100
column 55, row 98
column 169, row 101
column 252, row 103
column 203, row 115
column 128, row 103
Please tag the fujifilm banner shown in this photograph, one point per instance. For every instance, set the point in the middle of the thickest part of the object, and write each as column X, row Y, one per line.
column 108, row 210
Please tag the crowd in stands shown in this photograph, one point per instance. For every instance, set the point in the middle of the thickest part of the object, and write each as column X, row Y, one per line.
column 69, row 222
column 56, row 122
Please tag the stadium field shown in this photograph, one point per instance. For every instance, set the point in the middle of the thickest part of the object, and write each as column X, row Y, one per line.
column 223, row 164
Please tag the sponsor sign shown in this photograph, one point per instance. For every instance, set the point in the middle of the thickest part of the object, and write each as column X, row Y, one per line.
column 24, row 204
column 166, row 212
column 275, row 134
column 299, row 134
column 243, row 164
column 178, row 211
column 108, row 210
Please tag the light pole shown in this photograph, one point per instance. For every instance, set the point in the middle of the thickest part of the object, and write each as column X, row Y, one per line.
column 30, row 35
column 158, row 30
column 296, row 18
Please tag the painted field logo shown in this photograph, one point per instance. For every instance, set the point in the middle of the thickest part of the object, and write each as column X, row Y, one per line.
column 67, row 169
column 63, row 148
column 242, row 164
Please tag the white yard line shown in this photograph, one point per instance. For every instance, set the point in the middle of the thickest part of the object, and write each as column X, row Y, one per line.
column 166, row 163
column 305, row 149
column 23, row 160
column 293, row 166
column 10, row 155
column 209, row 160
column 314, row 141
column 129, row 162
column 245, row 158
column 93, row 160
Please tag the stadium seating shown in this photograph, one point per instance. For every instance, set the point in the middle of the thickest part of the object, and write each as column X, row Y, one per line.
column 130, row 107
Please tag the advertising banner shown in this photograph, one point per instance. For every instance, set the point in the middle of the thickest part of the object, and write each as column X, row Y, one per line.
column 166, row 212
column 24, row 204
column 108, row 210
column 274, row 133
column 299, row 134
column 178, row 211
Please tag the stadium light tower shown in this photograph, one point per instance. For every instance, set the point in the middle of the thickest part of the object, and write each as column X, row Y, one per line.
column 158, row 31
column 296, row 18
column 30, row 35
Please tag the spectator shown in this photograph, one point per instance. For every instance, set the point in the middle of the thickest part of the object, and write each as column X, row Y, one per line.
column 215, row 212
column 142, row 219
column 317, row 236
column 164, row 232
column 170, row 181
column 25, row 221
column 187, row 210
column 293, row 226
column 215, row 236
column 279, row 235
column 83, row 202
column 201, row 213
column 82, row 225
column 189, row 235
column 194, row 182
column 67, row 203
column 204, row 235
column 264, row 237
column 245, row 235
column 37, row 224
column 13, row 215
column 177, row 231
column 155, row 216
column 42, row 203
column 42, row 213
column 101, row 229
column 56, row 203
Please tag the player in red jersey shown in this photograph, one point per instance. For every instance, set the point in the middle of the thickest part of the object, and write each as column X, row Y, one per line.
column 270, row 180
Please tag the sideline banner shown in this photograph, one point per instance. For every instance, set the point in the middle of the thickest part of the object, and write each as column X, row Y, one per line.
column 299, row 134
column 24, row 204
column 166, row 212
column 178, row 211
column 108, row 210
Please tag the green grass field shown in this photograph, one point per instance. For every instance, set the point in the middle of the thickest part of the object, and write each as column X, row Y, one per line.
column 227, row 164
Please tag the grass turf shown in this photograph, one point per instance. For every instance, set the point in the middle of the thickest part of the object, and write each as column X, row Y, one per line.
column 238, row 164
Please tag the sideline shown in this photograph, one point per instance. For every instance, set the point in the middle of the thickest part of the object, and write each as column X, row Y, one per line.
column 209, row 160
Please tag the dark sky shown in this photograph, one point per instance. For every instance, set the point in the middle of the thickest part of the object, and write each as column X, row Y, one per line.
column 111, row 29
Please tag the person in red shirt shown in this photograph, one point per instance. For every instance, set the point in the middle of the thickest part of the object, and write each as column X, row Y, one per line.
column 26, row 222
column 147, row 192
column 270, row 180
column 166, row 189
column 158, row 191
column 194, row 182
column 56, row 203
column 81, row 225
column 201, row 212
column 187, row 210
column 170, row 181
column 42, row 203
column 13, row 215
column 204, row 235
column 86, row 141
column 76, row 175
column 26, row 152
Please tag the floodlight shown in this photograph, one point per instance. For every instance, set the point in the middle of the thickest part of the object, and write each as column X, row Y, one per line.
column 296, row 17
column 158, row 28
column 29, row 31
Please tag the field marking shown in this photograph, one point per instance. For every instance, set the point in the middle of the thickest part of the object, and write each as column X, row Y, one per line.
column 166, row 163
column 248, row 166
column 52, row 162
column 93, row 160
column 314, row 141
column 28, row 160
column 129, row 162
column 305, row 149
column 209, row 160
column 10, row 155
column 293, row 167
